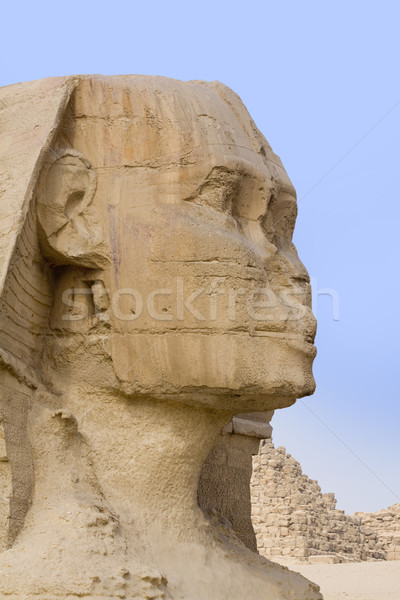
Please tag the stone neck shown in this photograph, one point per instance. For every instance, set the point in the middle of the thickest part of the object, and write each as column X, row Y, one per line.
column 148, row 455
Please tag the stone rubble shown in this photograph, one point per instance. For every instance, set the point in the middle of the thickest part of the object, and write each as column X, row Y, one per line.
column 294, row 520
column 385, row 524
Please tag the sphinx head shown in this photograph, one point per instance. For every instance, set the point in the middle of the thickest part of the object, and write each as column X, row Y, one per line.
column 168, row 222
column 149, row 290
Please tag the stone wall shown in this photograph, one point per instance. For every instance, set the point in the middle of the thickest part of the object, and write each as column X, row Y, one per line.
column 385, row 525
column 224, row 485
column 228, row 466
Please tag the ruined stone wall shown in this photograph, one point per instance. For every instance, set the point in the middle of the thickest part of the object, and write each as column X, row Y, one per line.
column 275, row 509
column 292, row 519
column 385, row 525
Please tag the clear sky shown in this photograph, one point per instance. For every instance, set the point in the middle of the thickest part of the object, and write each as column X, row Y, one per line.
column 321, row 80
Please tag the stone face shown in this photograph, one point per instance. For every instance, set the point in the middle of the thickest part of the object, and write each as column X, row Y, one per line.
column 150, row 292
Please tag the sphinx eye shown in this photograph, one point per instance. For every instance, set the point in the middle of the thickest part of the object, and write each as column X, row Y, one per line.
column 267, row 223
column 283, row 210
column 252, row 199
column 219, row 189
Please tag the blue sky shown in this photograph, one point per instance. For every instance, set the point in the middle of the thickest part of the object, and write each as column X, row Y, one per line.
column 321, row 80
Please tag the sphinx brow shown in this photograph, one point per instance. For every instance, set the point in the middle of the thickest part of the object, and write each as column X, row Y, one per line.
column 208, row 145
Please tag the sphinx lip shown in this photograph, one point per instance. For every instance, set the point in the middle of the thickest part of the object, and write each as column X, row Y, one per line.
column 310, row 348
column 301, row 336
column 301, row 341
column 302, row 344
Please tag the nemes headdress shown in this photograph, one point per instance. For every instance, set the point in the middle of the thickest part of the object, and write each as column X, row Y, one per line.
column 30, row 114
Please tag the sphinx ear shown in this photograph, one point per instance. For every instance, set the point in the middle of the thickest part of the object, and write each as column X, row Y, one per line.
column 69, row 231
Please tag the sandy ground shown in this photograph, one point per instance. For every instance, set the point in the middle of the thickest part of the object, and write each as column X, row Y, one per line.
column 355, row 581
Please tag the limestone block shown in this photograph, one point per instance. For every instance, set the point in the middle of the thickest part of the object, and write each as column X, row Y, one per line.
column 250, row 427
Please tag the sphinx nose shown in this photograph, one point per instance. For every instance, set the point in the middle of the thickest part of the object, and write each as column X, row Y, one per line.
column 282, row 264
column 290, row 259
column 278, row 255
column 287, row 273
column 258, row 242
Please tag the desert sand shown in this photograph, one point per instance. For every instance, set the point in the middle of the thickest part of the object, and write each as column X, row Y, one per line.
column 356, row 581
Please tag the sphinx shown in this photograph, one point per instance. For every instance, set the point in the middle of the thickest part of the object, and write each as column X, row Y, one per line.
column 150, row 291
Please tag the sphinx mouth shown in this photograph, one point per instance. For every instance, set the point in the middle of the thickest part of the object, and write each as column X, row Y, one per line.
column 307, row 335
column 286, row 335
column 303, row 342
column 303, row 327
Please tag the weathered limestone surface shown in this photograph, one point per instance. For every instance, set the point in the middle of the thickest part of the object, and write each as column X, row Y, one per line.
column 5, row 489
column 149, row 292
